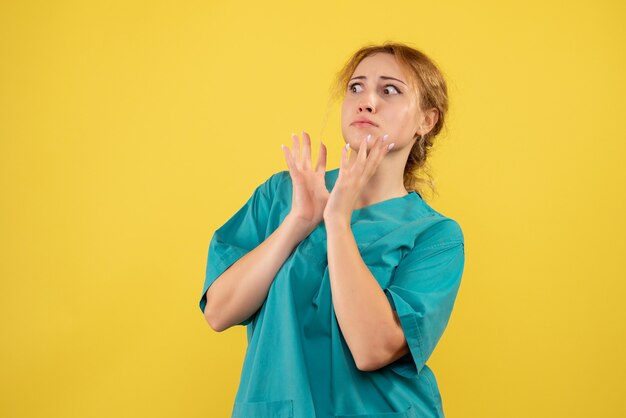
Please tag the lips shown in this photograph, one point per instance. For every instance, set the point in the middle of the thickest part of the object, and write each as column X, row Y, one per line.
column 364, row 121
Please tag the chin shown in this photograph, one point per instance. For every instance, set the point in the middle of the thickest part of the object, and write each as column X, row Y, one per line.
column 359, row 132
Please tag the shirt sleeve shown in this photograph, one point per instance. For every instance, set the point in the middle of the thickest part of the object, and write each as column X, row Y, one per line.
column 242, row 233
column 423, row 291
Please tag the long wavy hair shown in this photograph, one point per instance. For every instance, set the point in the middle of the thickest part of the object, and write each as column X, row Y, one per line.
column 427, row 82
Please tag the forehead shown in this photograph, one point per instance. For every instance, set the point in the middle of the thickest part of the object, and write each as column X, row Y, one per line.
column 380, row 64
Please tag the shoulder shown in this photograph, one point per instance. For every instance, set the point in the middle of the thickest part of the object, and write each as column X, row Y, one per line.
column 435, row 229
column 272, row 184
column 439, row 240
column 444, row 230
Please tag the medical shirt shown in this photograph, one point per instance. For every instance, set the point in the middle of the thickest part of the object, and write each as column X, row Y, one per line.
column 297, row 363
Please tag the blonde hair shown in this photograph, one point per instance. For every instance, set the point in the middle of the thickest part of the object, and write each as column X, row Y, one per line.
column 427, row 82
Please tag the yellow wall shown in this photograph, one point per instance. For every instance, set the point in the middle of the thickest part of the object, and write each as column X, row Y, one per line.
column 131, row 130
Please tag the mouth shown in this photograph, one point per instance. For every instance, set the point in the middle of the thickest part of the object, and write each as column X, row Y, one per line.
column 363, row 123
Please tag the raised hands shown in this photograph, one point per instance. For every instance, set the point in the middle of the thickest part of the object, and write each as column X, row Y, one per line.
column 353, row 177
column 309, row 187
column 311, row 201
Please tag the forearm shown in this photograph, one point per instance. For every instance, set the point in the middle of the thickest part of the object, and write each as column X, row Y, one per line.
column 241, row 290
column 363, row 312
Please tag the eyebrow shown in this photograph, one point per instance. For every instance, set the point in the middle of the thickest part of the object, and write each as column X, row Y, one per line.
column 382, row 77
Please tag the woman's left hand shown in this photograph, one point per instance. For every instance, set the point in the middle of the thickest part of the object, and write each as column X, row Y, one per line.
column 352, row 178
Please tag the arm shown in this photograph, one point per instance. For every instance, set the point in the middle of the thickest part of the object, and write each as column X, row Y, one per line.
column 243, row 287
column 370, row 326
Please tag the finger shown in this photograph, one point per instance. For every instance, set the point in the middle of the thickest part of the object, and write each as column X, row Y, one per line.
column 371, row 156
column 306, row 151
column 362, row 155
column 377, row 155
column 387, row 145
column 344, row 157
column 296, row 149
column 377, row 148
column 321, row 158
column 288, row 157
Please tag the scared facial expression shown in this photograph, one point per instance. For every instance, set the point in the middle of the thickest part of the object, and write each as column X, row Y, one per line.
column 379, row 92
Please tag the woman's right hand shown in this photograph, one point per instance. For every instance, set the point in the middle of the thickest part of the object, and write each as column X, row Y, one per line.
column 310, row 194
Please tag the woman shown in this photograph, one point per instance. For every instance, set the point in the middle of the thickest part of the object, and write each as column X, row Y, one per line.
column 345, row 278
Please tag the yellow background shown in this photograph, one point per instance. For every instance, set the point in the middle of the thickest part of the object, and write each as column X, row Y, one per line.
column 130, row 131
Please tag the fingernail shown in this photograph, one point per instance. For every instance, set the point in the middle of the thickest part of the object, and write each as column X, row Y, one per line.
column 347, row 146
column 385, row 137
column 369, row 137
column 391, row 145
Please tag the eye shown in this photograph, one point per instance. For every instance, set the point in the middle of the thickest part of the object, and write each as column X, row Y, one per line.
column 393, row 87
column 352, row 86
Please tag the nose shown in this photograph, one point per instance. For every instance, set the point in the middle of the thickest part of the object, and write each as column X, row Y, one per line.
column 367, row 104
column 366, row 107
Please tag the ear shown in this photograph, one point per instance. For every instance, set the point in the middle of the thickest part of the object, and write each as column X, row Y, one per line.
column 429, row 120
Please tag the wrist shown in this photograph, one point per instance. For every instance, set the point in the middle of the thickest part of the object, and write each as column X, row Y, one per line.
column 302, row 227
column 336, row 223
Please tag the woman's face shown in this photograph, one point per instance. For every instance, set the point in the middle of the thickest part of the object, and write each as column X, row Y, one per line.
column 379, row 91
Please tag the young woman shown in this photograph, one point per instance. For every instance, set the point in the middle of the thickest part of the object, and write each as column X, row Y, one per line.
column 345, row 278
